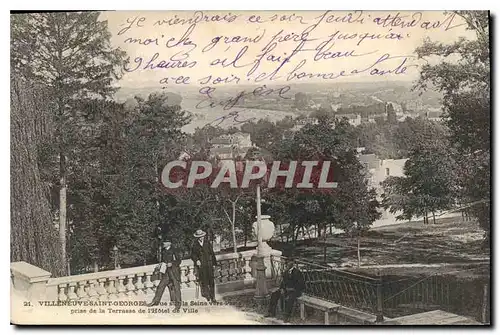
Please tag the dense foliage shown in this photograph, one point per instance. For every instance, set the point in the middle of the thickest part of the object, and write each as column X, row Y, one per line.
column 93, row 164
column 463, row 76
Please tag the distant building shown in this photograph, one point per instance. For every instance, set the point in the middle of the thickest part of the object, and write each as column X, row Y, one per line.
column 379, row 170
column 221, row 142
column 243, row 139
column 230, row 146
column 299, row 124
column 369, row 119
column 397, row 107
column 221, row 152
column 434, row 114
column 335, row 107
column 414, row 105
column 353, row 119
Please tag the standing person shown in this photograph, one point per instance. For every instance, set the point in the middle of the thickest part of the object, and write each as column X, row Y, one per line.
column 203, row 257
column 171, row 276
column 291, row 287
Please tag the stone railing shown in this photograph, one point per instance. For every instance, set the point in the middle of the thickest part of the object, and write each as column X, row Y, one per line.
column 234, row 271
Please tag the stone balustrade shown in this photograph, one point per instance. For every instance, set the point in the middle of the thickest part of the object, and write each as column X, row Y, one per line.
column 234, row 271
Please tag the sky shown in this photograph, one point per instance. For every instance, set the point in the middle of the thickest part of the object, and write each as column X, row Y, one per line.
column 338, row 46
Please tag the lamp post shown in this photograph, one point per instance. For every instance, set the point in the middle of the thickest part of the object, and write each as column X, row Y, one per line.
column 261, row 292
column 115, row 256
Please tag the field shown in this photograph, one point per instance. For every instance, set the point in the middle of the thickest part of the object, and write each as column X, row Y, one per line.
column 422, row 267
column 407, row 245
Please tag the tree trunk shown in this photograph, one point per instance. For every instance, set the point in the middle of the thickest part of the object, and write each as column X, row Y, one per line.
column 295, row 236
column 233, row 226
column 433, row 218
column 33, row 235
column 62, row 206
column 359, row 250
column 324, row 246
column 96, row 266
column 246, row 238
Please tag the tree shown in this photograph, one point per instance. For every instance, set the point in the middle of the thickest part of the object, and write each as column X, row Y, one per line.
column 352, row 201
column 70, row 54
column 202, row 137
column 301, row 100
column 153, row 139
column 378, row 138
column 414, row 132
column 463, row 76
column 264, row 133
column 429, row 184
column 391, row 113
column 33, row 236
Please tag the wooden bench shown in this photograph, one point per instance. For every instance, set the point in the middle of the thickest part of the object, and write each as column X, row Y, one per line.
column 326, row 306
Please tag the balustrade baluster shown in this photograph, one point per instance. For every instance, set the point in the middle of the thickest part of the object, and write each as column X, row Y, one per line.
column 92, row 290
column 239, row 264
column 222, row 272
column 82, row 294
column 241, row 268
column 130, row 286
column 184, row 277
column 62, row 295
column 148, row 284
column 237, row 269
column 156, row 283
column 71, row 291
column 218, row 272
column 191, row 277
column 231, row 265
column 112, row 291
column 121, row 288
column 247, row 269
column 101, row 290
column 227, row 271
column 139, row 285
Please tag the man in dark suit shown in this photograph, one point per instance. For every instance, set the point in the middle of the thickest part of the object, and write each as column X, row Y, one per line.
column 170, row 276
column 291, row 287
column 203, row 257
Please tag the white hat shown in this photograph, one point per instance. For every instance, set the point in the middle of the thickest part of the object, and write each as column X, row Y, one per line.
column 199, row 233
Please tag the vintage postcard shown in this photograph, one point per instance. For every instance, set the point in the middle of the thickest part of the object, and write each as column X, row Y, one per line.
column 238, row 167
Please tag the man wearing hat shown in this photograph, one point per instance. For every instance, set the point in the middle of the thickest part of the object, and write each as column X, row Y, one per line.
column 170, row 276
column 291, row 287
column 203, row 257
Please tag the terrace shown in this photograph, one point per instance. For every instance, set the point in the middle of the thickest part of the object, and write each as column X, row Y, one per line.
column 374, row 293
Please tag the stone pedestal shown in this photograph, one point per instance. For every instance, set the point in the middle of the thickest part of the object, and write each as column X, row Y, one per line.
column 267, row 233
column 30, row 280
